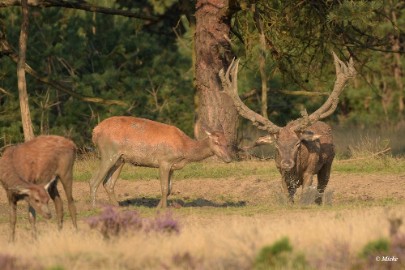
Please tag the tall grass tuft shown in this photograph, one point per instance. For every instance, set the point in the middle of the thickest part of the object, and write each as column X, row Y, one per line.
column 368, row 147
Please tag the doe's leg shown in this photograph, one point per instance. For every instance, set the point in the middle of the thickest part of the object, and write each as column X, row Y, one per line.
column 106, row 164
column 13, row 218
column 110, row 181
column 54, row 194
column 32, row 217
column 165, row 174
column 67, row 182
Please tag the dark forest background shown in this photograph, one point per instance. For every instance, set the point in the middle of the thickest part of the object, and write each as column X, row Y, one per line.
column 88, row 66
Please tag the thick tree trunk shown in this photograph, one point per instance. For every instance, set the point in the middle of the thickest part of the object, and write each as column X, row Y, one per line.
column 212, row 49
column 22, row 84
column 398, row 73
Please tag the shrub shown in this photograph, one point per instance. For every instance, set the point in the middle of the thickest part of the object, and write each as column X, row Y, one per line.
column 112, row 223
column 164, row 223
column 280, row 256
column 377, row 247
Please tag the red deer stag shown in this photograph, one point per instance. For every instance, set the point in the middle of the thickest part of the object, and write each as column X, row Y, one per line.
column 304, row 146
column 31, row 170
column 146, row 143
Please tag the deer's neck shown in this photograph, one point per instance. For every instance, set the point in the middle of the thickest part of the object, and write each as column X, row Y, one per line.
column 198, row 150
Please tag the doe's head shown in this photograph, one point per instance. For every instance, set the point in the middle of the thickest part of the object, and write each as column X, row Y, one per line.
column 219, row 145
column 38, row 198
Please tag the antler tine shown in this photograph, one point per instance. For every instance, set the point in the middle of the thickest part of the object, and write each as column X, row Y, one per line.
column 230, row 85
column 344, row 71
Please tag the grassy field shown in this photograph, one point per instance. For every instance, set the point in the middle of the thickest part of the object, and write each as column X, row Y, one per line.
column 229, row 216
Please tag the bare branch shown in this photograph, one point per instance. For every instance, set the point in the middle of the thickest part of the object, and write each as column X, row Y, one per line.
column 4, row 91
column 14, row 57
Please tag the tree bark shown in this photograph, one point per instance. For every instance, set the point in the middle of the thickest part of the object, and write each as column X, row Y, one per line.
column 215, row 109
column 398, row 73
column 22, row 84
column 262, row 63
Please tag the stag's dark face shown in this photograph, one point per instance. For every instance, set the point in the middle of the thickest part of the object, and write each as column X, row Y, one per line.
column 288, row 143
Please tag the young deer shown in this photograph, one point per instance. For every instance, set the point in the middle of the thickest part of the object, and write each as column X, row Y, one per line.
column 142, row 142
column 31, row 170
column 304, row 146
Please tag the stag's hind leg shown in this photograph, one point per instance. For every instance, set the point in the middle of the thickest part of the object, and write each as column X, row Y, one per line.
column 323, row 179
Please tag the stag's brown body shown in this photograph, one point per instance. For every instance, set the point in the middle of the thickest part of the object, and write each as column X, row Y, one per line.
column 313, row 156
column 32, row 169
column 142, row 142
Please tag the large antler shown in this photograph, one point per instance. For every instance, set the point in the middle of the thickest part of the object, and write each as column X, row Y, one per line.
column 344, row 71
column 230, row 86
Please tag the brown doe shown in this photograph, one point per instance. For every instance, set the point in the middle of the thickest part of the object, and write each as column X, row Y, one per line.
column 304, row 146
column 142, row 142
column 30, row 171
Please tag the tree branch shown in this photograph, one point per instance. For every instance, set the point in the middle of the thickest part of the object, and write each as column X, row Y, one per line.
column 14, row 57
column 80, row 5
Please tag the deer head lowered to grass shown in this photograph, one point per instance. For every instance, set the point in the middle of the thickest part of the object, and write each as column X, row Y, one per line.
column 31, row 171
column 146, row 143
column 305, row 145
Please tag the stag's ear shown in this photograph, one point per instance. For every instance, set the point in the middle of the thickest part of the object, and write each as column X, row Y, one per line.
column 268, row 139
column 308, row 136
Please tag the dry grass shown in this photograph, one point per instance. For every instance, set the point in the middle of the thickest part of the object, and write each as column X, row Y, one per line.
column 216, row 242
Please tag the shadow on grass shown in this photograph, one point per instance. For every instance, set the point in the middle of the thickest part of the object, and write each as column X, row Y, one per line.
column 178, row 203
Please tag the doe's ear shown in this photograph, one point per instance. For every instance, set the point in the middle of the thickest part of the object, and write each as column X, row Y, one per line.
column 309, row 136
column 20, row 190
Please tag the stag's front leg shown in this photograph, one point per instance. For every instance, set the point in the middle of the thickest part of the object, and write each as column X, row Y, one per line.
column 289, row 190
column 32, row 218
column 165, row 174
column 306, row 182
column 323, row 179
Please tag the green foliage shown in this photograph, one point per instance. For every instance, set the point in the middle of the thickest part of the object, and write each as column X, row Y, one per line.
column 279, row 256
column 377, row 247
column 95, row 55
column 149, row 64
column 299, row 38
